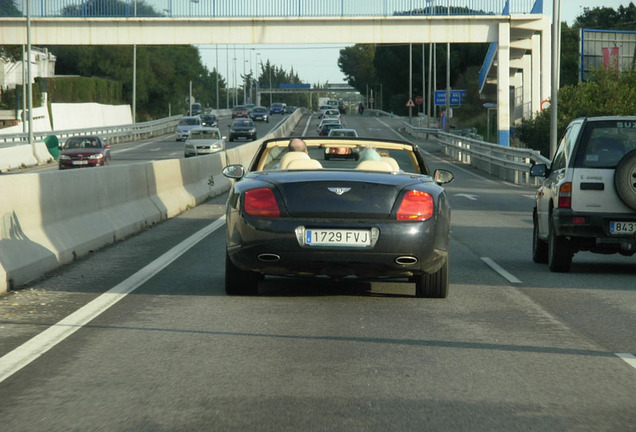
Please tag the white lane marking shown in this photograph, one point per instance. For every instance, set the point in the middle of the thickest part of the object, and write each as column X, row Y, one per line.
column 137, row 146
column 469, row 196
column 155, row 149
column 530, row 196
column 307, row 125
column 15, row 360
column 496, row 267
column 630, row 359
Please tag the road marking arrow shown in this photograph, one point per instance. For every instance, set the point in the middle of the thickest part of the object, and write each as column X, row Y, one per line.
column 469, row 196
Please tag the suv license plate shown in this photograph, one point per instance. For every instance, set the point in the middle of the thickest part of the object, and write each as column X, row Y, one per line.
column 616, row 227
column 338, row 237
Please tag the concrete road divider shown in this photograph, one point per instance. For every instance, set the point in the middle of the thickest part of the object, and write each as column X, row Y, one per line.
column 52, row 218
column 20, row 156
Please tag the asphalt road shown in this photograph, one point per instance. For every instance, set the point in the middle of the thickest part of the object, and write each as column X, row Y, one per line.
column 150, row 341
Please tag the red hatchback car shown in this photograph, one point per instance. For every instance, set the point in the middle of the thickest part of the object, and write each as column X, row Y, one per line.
column 240, row 111
column 83, row 152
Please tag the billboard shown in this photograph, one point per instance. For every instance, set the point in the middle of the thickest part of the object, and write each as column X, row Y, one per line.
column 606, row 49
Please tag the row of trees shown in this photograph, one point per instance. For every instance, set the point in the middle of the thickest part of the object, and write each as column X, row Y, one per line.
column 607, row 93
column 386, row 68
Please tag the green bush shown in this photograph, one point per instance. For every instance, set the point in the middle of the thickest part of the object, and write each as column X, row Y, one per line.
column 609, row 93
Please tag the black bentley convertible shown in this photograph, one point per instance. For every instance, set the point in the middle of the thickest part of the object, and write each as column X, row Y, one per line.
column 380, row 216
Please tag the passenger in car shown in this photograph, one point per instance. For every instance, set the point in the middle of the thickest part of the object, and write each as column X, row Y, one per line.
column 369, row 154
column 297, row 144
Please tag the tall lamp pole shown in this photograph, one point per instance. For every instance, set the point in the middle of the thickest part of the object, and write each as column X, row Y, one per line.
column 556, row 71
column 29, row 77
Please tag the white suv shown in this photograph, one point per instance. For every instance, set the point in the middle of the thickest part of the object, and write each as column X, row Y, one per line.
column 587, row 201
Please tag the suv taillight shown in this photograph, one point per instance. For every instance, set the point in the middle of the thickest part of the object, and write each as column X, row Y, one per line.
column 261, row 202
column 416, row 205
column 565, row 195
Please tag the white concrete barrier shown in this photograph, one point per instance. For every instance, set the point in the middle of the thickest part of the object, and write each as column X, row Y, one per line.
column 21, row 156
column 50, row 219
column 87, row 115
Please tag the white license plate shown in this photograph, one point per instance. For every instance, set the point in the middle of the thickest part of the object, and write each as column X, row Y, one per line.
column 337, row 237
column 82, row 162
column 622, row 227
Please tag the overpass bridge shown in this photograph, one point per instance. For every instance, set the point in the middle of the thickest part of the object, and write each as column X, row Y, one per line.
column 517, row 30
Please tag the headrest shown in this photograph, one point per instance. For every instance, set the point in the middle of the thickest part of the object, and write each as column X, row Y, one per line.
column 372, row 165
column 392, row 162
column 288, row 157
column 302, row 164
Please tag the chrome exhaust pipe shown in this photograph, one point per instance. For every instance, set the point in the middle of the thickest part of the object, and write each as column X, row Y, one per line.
column 406, row 260
column 268, row 257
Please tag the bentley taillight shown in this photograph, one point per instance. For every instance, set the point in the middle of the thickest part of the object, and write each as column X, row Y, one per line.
column 416, row 205
column 261, row 202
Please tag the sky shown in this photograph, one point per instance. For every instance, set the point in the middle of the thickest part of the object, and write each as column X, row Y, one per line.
column 318, row 63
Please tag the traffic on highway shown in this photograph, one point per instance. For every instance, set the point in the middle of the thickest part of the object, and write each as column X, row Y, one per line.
column 142, row 336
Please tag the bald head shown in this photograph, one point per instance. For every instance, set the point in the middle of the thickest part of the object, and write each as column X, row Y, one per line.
column 297, row 145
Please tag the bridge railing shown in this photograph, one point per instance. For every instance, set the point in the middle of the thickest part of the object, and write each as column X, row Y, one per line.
column 112, row 134
column 272, row 8
column 508, row 163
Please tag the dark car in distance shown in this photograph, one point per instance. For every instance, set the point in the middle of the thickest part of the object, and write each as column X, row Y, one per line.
column 277, row 108
column 385, row 217
column 242, row 129
column 83, row 152
column 326, row 128
column 209, row 120
column 259, row 113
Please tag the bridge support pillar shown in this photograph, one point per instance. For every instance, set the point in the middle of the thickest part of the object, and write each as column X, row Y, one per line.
column 546, row 63
column 536, row 74
column 503, row 84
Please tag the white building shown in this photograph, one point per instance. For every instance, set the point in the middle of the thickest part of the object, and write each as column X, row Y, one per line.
column 14, row 72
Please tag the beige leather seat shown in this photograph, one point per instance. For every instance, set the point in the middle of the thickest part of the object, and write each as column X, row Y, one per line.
column 304, row 164
column 391, row 162
column 374, row 165
column 290, row 156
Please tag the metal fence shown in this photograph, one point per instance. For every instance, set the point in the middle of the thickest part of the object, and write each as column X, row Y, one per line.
column 271, row 8
column 112, row 134
column 508, row 163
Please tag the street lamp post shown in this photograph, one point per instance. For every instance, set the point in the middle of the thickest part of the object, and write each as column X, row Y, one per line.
column 556, row 66
column 258, row 61
column 29, row 77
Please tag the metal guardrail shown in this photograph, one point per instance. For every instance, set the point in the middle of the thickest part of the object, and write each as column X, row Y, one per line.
column 273, row 8
column 112, row 134
column 508, row 163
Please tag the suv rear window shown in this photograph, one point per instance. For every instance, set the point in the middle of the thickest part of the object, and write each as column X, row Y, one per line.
column 604, row 143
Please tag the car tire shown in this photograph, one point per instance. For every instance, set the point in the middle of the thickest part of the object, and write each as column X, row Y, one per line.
column 239, row 282
column 559, row 252
column 231, row 138
column 539, row 247
column 433, row 285
column 625, row 179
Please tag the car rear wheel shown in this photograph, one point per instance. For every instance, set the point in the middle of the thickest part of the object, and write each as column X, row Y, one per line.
column 539, row 247
column 625, row 179
column 239, row 282
column 433, row 285
column 559, row 252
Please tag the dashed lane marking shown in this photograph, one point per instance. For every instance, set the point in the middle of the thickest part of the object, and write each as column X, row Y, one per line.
column 630, row 359
column 496, row 267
